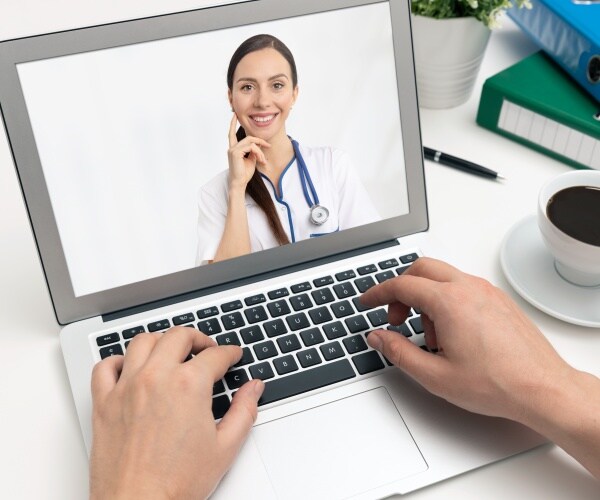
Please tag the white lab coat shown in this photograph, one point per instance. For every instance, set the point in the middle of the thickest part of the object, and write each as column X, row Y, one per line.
column 337, row 185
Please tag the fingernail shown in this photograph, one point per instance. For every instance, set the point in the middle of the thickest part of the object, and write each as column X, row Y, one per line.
column 375, row 340
column 259, row 387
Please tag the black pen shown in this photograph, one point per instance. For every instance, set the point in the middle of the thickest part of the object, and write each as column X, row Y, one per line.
column 459, row 163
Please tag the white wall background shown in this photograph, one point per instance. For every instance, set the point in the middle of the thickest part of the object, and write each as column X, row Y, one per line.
column 128, row 135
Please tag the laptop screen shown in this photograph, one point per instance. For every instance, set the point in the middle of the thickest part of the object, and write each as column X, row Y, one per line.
column 133, row 142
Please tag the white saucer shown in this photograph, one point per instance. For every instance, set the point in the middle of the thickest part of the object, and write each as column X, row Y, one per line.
column 529, row 268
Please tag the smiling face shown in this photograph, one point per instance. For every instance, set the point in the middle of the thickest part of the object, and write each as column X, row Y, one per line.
column 263, row 93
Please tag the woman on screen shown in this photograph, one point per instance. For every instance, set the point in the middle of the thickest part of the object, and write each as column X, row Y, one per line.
column 275, row 191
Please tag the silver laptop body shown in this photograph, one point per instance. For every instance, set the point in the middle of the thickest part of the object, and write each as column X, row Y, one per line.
column 114, row 128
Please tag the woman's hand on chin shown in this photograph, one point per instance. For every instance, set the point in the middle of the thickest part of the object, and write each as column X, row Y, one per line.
column 243, row 157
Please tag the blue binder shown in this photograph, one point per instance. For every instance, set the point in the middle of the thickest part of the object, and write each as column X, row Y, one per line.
column 569, row 32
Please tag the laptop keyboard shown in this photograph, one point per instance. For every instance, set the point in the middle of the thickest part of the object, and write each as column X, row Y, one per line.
column 296, row 339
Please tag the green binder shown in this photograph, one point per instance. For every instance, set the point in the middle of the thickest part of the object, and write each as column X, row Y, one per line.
column 535, row 103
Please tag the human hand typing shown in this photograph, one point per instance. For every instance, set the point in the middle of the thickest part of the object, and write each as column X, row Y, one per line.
column 154, row 431
column 491, row 358
column 490, row 355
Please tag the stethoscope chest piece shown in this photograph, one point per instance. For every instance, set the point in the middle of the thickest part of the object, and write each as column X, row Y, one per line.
column 318, row 214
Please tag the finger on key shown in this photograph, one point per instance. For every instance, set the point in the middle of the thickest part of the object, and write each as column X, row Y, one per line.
column 138, row 351
column 105, row 376
column 178, row 342
column 215, row 361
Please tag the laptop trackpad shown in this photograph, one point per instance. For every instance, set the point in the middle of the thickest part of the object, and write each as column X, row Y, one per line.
column 339, row 449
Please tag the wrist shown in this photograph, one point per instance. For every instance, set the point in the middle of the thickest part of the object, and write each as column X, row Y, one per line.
column 236, row 192
column 140, row 489
column 554, row 406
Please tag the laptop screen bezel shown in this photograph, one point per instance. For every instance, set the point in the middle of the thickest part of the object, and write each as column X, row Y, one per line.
column 67, row 306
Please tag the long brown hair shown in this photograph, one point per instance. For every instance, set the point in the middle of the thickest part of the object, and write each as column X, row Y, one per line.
column 256, row 188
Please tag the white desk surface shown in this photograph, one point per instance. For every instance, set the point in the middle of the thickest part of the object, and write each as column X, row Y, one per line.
column 41, row 449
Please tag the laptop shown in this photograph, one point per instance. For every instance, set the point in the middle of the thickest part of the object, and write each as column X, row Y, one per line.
column 116, row 129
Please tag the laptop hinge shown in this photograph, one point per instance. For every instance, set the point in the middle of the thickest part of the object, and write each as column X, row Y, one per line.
column 245, row 281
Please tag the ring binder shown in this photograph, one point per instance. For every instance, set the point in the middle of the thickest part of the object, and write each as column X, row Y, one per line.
column 569, row 31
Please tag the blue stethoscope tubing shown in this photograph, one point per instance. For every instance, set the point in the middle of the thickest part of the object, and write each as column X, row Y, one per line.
column 318, row 213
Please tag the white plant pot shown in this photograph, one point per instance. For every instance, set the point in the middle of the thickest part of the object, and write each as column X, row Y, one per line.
column 448, row 54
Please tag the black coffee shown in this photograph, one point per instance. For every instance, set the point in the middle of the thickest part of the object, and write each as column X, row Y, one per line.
column 576, row 212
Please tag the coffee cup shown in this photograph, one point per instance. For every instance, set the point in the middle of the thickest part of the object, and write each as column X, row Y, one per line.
column 569, row 220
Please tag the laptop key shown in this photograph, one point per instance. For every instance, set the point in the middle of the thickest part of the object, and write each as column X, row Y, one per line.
column 236, row 378
column 333, row 350
column 320, row 315
column 322, row 296
column 265, row 350
column 297, row 321
column 307, row 380
column 229, row 338
column 334, row 330
column 371, row 268
column 359, row 306
column 311, row 336
column 275, row 328
column 220, row 405
column 278, row 294
column 355, row 344
column 384, row 276
column 161, row 325
column 342, row 309
column 289, row 343
column 218, row 387
column 278, row 308
column 378, row 317
column 309, row 357
column 109, row 338
column 408, row 259
column 183, row 318
column 403, row 329
column 367, row 362
column 301, row 287
column 401, row 270
column 231, row 306
column 232, row 321
column 345, row 275
column 386, row 264
column 207, row 312
column 132, row 332
column 255, row 299
column 111, row 350
column 363, row 284
column 285, row 364
column 326, row 280
column 301, row 302
column 252, row 334
column 246, row 358
column 356, row 323
column 262, row 371
column 417, row 325
column 256, row 314
column 210, row 326
column 344, row 290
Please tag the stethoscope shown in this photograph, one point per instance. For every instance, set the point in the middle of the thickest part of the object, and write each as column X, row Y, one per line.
column 318, row 213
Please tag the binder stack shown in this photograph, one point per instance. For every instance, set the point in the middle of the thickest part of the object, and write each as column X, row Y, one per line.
column 569, row 32
column 550, row 101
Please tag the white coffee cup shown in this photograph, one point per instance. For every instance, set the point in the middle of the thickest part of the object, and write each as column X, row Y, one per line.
column 576, row 261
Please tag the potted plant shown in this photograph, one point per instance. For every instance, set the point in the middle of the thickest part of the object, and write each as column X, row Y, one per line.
column 450, row 37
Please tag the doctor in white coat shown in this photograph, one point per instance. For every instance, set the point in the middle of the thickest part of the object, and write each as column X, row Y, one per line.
column 275, row 191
